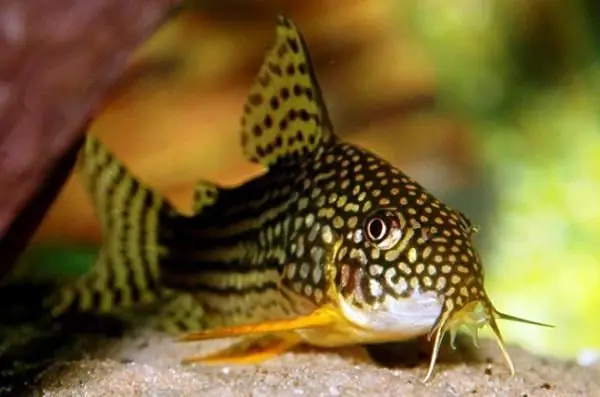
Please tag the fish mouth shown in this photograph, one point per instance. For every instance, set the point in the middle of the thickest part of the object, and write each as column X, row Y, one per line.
column 473, row 316
column 395, row 319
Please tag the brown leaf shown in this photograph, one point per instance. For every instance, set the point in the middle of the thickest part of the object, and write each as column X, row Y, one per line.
column 59, row 57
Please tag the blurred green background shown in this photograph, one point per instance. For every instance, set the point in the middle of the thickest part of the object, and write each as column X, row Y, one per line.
column 492, row 104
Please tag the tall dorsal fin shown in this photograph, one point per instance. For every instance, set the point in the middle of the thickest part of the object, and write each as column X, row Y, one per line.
column 285, row 115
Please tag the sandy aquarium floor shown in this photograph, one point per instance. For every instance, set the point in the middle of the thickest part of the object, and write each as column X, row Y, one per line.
column 147, row 364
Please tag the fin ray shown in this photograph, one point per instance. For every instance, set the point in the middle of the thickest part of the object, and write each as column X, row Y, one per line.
column 250, row 350
column 319, row 318
column 126, row 271
column 285, row 114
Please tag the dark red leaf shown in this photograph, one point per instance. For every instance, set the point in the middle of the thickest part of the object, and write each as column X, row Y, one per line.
column 58, row 58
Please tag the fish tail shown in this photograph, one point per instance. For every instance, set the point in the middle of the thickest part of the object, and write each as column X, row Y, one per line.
column 127, row 269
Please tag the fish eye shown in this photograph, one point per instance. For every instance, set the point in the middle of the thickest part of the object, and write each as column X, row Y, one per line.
column 376, row 229
column 382, row 229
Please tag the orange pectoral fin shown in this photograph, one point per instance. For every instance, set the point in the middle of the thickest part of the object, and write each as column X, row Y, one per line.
column 274, row 337
column 319, row 318
column 250, row 350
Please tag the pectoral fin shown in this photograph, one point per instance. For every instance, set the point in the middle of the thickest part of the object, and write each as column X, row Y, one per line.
column 318, row 318
column 268, row 339
column 250, row 350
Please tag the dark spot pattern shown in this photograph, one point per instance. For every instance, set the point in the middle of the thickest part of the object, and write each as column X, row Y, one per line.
column 268, row 121
column 283, row 101
column 255, row 99
column 293, row 43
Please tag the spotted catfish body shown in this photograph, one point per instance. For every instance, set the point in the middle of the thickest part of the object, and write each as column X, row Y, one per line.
column 331, row 246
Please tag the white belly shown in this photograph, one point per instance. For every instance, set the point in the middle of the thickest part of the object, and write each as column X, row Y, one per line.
column 392, row 320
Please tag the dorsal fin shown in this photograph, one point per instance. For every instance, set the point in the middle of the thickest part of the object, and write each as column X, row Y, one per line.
column 285, row 115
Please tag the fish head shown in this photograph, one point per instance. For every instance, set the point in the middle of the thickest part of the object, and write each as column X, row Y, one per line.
column 406, row 264
column 395, row 261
